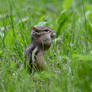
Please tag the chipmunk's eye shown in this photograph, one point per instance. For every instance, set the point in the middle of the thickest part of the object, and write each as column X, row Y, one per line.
column 46, row 30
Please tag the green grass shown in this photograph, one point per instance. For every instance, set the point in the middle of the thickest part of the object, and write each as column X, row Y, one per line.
column 69, row 60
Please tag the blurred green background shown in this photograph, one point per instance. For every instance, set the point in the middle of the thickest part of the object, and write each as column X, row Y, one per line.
column 69, row 60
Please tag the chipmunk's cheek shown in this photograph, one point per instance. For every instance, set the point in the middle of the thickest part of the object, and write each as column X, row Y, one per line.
column 46, row 42
column 47, row 39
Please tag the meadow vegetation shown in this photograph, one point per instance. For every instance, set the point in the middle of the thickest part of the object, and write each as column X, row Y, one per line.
column 69, row 60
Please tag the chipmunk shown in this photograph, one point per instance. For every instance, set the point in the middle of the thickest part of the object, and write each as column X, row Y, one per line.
column 41, row 39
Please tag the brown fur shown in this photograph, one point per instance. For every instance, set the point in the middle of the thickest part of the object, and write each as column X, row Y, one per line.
column 41, row 39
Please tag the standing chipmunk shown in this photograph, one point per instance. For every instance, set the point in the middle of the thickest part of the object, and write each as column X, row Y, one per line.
column 41, row 39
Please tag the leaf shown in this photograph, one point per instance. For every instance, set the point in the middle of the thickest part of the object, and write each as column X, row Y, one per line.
column 41, row 24
column 63, row 18
column 67, row 4
column 23, row 20
column 9, row 39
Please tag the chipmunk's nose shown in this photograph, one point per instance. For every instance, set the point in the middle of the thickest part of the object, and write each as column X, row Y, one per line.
column 53, row 35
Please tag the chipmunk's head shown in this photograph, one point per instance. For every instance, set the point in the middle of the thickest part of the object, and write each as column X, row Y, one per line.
column 43, row 35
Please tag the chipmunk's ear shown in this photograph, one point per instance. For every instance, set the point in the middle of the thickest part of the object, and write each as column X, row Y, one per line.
column 34, row 28
column 36, row 33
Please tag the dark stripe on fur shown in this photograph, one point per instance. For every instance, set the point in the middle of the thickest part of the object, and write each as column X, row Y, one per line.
column 35, row 56
column 30, row 55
